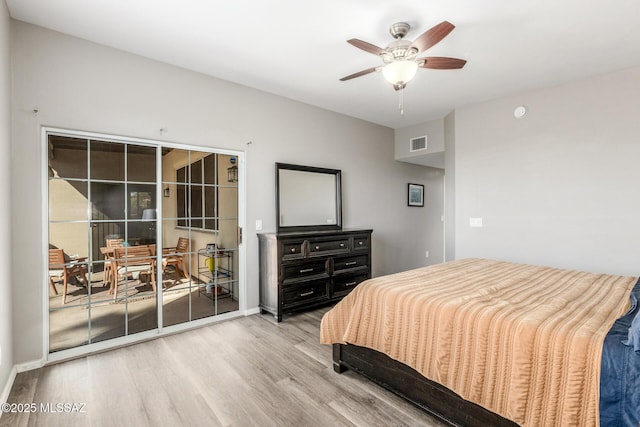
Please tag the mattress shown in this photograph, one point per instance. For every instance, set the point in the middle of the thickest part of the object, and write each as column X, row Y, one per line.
column 520, row 340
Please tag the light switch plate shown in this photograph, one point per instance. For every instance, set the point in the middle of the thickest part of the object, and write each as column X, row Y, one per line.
column 475, row 222
column 258, row 224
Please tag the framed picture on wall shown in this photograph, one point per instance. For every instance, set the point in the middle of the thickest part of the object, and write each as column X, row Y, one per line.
column 416, row 195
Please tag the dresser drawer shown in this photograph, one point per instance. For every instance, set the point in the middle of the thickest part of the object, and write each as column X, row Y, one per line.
column 292, row 249
column 349, row 263
column 342, row 285
column 333, row 246
column 361, row 243
column 310, row 291
column 300, row 270
column 291, row 272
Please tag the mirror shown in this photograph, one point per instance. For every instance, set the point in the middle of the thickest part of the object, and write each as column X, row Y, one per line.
column 307, row 198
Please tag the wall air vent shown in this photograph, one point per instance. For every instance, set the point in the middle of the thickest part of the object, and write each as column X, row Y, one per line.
column 418, row 143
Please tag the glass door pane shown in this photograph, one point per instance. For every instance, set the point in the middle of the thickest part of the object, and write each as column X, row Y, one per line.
column 102, row 197
column 68, row 270
column 196, row 193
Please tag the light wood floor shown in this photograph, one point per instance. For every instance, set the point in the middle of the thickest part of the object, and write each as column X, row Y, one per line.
column 244, row 372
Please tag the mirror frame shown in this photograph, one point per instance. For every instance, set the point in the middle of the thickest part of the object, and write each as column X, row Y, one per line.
column 338, row 196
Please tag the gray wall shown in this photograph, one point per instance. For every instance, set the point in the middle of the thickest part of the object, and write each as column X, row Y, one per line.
column 6, row 345
column 81, row 85
column 430, row 225
column 433, row 225
column 434, row 154
column 449, row 185
column 558, row 187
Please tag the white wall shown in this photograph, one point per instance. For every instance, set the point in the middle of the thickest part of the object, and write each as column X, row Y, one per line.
column 6, row 345
column 81, row 85
column 558, row 187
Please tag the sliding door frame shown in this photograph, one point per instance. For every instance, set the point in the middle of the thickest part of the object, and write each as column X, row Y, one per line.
column 161, row 330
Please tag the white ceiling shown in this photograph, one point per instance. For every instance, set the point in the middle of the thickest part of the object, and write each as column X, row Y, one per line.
column 297, row 48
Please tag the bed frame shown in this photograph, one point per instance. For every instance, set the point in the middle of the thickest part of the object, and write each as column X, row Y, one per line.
column 406, row 382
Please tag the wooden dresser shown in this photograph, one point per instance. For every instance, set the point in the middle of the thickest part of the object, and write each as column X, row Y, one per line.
column 301, row 270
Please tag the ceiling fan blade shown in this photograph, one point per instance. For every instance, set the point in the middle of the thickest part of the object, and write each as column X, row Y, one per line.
column 432, row 36
column 359, row 73
column 367, row 47
column 442, row 63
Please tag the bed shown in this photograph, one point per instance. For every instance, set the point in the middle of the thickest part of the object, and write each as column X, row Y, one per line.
column 484, row 342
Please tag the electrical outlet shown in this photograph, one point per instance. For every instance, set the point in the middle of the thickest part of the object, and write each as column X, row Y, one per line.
column 258, row 224
column 426, row 254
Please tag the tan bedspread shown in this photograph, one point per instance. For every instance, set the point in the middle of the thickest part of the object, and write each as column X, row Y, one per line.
column 520, row 340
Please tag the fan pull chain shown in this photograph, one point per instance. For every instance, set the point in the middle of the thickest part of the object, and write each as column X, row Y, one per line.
column 401, row 106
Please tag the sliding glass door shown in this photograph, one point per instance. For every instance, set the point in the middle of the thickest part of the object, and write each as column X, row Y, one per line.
column 200, row 220
column 141, row 236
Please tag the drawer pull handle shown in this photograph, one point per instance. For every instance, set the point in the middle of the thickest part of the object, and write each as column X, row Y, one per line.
column 306, row 294
column 317, row 247
column 351, row 263
column 350, row 283
column 306, row 270
column 293, row 249
column 361, row 243
column 342, row 245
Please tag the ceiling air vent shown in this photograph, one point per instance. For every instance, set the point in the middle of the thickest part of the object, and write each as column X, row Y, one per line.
column 418, row 143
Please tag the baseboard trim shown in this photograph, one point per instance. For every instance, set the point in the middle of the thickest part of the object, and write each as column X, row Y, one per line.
column 15, row 370
column 30, row 366
column 252, row 311
column 7, row 387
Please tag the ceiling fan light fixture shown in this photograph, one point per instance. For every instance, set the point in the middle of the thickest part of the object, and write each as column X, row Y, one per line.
column 400, row 56
column 400, row 72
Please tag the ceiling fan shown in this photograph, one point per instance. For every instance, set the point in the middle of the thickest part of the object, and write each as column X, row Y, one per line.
column 400, row 56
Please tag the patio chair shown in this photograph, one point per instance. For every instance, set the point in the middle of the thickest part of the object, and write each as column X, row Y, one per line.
column 112, row 243
column 134, row 259
column 61, row 270
column 109, row 266
column 177, row 256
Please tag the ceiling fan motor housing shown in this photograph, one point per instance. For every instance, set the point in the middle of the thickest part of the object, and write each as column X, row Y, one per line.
column 399, row 30
column 399, row 50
